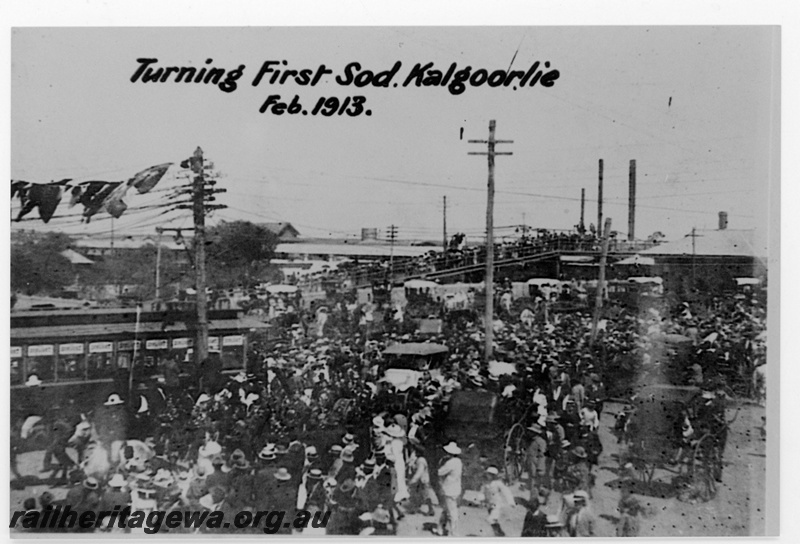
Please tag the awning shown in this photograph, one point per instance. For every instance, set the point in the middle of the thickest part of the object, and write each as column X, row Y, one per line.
column 637, row 260
column 129, row 329
column 420, row 284
column 274, row 289
column 415, row 348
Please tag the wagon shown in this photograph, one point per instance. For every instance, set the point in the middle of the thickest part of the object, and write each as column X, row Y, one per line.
column 475, row 420
column 680, row 430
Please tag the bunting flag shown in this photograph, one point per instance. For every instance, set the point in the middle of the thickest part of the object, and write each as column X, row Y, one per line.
column 145, row 180
column 92, row 195
column 46, row 197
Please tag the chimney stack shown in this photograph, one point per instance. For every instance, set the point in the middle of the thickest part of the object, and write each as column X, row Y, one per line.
column 631, row 199
column 723, row 220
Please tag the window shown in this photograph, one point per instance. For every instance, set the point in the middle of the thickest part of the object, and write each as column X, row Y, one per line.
column 71, row 367
column 101, row 365
column 16, row 372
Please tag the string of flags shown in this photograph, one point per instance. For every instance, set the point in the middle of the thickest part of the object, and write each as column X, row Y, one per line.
column 94, row 196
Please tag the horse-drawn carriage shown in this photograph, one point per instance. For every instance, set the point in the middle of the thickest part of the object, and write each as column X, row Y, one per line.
column 680, row 430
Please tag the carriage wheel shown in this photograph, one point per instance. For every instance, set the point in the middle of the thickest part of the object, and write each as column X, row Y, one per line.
column 706, row 468
column 514, row 453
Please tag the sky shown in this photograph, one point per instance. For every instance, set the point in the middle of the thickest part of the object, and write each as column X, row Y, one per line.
column 697, row 107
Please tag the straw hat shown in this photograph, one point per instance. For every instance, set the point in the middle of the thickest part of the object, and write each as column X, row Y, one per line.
column 91, row 483
column 210, row 449
column 348, row 438
column 347, row 455
column 33, row 381
column 493, row 471
column 536, row 428
column 163, row 478
column 579, row 452
column 311, row 451
column 553, row 522
column 114, row 400
column 268, row 453
column 381, row 515
column 117, row 481
column 315, row 474
column 395, row 431
column 283, row 474
column 452, row 448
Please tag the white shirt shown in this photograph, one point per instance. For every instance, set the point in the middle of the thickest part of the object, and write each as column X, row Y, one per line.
column 450, row 477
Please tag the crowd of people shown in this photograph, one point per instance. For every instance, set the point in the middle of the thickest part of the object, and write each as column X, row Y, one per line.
column 315, row 425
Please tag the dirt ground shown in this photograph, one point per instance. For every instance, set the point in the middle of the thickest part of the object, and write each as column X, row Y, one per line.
column 737, row 510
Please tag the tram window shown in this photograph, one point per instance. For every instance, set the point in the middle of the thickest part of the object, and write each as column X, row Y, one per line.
column 71, row 368
column 43, row 367
column 232, row 358
column 124, row 360
column 101, row 365
column 149, row 366
column 16, row 372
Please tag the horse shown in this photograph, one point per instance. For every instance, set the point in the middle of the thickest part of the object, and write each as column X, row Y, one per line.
column 101, row 460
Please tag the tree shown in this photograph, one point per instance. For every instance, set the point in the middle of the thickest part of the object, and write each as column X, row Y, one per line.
column 37, row 266
column 238, row 254
column 137, row 267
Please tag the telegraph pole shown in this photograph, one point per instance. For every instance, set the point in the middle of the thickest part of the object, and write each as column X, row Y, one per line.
column 444, row 227
column 160, row 231
column 490, row 154
column 199, row 212
column 392, row 237
column 601, row 281
column 583, row 207
column 631, row 200
column 600, row 199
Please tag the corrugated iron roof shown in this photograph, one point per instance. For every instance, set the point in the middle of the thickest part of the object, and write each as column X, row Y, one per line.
column 114, row 329
column 727, row 242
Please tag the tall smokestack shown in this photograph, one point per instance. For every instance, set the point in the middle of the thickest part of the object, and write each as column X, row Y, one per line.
column 631, row 200
column 583, row 206
column 600, row 199
column 723, row 220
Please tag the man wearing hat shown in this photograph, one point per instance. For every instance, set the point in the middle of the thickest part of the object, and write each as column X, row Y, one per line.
column 537, row 458
column 344, row 510
column 312, row 492
column 496, row 495
column 450, row 473
column 111, row 420
column 284, row 496
column 334, row 463
column 241, row 489
column 347, row 471
column 535, row 518
column 579, row 473
column 117, row 494
column 554, row 527
column 582, row 521
column 419, row 485
column 198, row 486
column 219, row 477
column 595, row 390
column 84, row 497
column 628, row 524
